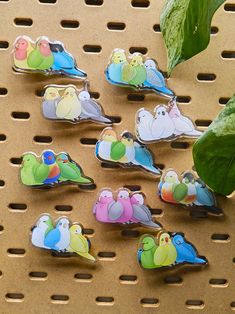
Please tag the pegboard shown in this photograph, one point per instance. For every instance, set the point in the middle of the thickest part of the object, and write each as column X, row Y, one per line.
column 31, row 280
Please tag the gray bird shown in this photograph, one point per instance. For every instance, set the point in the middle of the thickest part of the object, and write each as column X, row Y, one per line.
column 51, row 99
column 90, row 108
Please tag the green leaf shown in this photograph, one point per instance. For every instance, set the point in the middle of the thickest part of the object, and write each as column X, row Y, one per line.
column 186, row 26
column 214, row 152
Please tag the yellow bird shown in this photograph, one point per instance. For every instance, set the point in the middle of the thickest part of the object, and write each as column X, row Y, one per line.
column 78, row 243
column 69, row 107
column 165, row 254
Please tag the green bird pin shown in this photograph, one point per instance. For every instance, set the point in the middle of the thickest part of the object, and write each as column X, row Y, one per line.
column 41, row 57
column 70, row 171
column 135, row 72
column 146, row 252
column 28, row 169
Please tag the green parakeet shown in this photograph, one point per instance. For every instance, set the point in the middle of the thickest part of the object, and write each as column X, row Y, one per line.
column 135, row 72
column 41, row 58
column 69, row 171
column 29, row 167
column 146, row 255
column 165, row 254
column 118, row 150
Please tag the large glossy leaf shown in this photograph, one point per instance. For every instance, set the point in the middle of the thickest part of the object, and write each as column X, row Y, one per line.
column 214, row 152
column 186, row 26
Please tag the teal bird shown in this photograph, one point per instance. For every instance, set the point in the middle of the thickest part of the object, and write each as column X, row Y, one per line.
column 70, row 171
column 135, row 72
column 41, row 57
column 114, row 70
column 144, row 158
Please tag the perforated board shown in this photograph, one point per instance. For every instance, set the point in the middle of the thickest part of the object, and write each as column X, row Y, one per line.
column 32, row 281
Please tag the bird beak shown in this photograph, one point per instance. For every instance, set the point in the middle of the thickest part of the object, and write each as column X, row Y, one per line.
column 167, row 240
column 65, row 225
column 138, row 119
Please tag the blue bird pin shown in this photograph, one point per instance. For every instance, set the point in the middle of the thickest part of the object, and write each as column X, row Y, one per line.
column 186, row 253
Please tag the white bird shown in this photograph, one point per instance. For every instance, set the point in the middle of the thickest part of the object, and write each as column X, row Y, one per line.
column 162, row 127
column 183, row 125
column 144, row 121
column 43, row 224
column 69, row 107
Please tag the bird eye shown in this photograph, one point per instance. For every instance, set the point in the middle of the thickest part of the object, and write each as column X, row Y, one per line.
column 162, row 240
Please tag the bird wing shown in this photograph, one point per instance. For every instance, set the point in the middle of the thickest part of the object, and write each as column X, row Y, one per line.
column 41, row 172
column 155, row 78
column 143, row 156
column 204, row 196
column 160, row 256
column 141, row 213
column 180, row 192
column 52, row 238
column 34, row 59
column 63, row 60
column 68, row 172
column 115, row 210
column 63, row 108
column 118, row 150
column 79, row 244
column 90, row 108
column 128, row 73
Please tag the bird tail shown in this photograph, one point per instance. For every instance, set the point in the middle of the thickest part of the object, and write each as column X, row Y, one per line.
column 75, row 72
column 102, row 119
column 194, row 133
column 163, row 90
column 152, row 169
column 151, row 224
column 199, row 260
column 214, row 210
column 86, row 255
column 83, row 180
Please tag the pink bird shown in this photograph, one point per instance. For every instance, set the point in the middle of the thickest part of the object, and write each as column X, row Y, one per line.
column 141, row 213
column 121, row 211
column 44, row 47
column 20, row 49
column 100, row 208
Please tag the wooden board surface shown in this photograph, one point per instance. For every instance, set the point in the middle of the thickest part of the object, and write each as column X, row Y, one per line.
column 65, row 285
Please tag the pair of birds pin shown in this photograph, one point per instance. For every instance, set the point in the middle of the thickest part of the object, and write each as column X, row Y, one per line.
column 125, row 151
column 51, row 170
column 63, row 238
column 136, row 72
column 44, row 56
column 126, row 208
column 167, row 124
column 167, row 250
column 189, row 191
column 67, row 103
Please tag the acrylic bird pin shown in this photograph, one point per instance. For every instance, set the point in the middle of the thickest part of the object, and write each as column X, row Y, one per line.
column 188, row 191
column 63, row 237
column 136, row 71
column 66, row 103
column 165, row 124
column 51, row 170
column 44, row 56
column 123, row 207
column 125, row 150
column 167, row 249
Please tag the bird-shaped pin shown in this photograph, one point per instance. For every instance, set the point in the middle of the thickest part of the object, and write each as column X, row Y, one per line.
column 114, row 70
column 155, row 79
column 70, row 171
column 43, row 226
column 141, row 213
column 167, row 185
column 103, row 146
column 121, row 211
column 183, row 125
column 41, row 58
column 147, row 249
column 127, row 140
column 30, row 164
column 162, row 126
column 79, row 243
column 21, row 49
column 48, row 171
column 69, row 107
column 186, row 252
column 58, row 239
column 64, row 62
column 185, row 192
column 165, row 254
column 144, row 158
column 101, row 207
column 135, row 72
column 91, row 109
column 51, row 99
column 144, row 121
